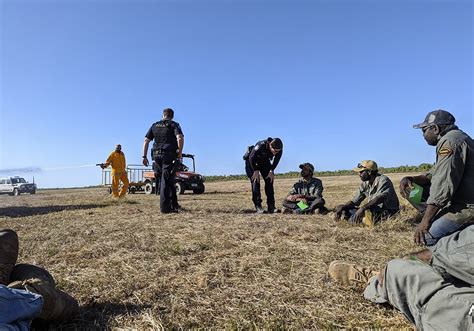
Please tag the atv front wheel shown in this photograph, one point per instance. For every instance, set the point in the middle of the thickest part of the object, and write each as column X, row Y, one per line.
column 179, row 188
column 199, row 190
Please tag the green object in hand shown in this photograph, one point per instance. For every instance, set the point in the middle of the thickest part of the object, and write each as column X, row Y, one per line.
column 301, row 205
column 415, row 194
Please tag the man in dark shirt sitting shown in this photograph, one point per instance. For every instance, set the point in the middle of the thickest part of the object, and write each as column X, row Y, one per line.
column 306, row 196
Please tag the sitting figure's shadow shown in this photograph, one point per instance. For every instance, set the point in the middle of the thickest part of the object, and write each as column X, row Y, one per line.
column 93, row 316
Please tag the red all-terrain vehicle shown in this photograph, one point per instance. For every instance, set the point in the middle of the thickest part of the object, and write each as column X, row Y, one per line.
column 186, row 180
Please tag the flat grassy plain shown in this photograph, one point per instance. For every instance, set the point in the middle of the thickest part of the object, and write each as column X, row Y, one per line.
column 214, row 265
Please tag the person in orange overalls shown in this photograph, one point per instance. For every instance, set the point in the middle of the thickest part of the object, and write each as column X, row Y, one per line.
column 116, row 159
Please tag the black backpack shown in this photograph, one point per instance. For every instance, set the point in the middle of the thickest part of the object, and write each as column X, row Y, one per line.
column 247, row 153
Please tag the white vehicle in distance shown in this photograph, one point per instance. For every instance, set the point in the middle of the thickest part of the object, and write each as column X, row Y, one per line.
column 16, row 185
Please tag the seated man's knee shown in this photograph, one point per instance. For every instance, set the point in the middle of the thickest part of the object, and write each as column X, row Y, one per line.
column 400, row 268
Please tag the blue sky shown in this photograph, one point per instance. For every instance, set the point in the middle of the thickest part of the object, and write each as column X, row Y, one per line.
column 338, row 81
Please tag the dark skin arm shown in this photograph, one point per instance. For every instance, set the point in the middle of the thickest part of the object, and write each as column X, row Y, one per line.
column 407, row 182
column 340, row 208
column 425, row 224
column 297, row 198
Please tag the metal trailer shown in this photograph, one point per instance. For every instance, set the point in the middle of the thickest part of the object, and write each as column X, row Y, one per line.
column 134, row 174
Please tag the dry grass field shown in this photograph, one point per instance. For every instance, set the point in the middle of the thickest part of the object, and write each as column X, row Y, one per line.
column 214, row 265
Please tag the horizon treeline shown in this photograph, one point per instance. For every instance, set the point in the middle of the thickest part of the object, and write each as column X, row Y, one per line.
column 423, row 167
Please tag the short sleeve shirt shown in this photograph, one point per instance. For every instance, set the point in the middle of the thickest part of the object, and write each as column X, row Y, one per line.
column 313, row 188
column 177, row 130
column 260, row 156
column 452, row 176
column 382, row 186
column 165, row 140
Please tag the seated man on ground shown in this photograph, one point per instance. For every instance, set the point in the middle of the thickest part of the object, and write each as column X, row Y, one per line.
column 382, row 201
column 434, row 289
column 306, row 196
column 447, row 198
column 31, row 292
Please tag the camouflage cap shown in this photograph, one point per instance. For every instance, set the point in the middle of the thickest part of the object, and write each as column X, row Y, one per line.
column 436, row 117
column 366, row 165
column 308, row 166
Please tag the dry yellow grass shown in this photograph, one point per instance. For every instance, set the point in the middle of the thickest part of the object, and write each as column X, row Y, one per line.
column 214, row 265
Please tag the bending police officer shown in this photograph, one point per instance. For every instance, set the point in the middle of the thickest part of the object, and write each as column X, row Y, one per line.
column 167, row 150
column 258, row 160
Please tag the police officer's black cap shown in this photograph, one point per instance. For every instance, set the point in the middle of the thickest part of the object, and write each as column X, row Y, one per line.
column 436, row 117
column 307, row 165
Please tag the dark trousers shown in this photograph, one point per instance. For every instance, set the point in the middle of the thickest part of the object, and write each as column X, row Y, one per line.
column 164, row 164
column 174, row 196
column 269, row 192
column 313, row 205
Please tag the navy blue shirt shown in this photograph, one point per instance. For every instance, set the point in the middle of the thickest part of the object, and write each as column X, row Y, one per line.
column 164, row 134
column 261, row 155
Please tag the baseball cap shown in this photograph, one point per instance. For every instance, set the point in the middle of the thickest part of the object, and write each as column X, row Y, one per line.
column 307, row 165
column 436, row 117
column 366, row 165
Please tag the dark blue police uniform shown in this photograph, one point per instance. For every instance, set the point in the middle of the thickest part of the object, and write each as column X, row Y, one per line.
column 260, row 158
column 164, row 154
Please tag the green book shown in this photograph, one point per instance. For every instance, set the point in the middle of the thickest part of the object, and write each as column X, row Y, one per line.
column 415, row 194
column 301, row 205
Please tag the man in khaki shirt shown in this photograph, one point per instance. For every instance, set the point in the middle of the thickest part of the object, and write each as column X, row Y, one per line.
column 382, row 201
column 449, row 206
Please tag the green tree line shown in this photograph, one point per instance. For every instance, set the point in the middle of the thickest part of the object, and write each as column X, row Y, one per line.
column 293, row 174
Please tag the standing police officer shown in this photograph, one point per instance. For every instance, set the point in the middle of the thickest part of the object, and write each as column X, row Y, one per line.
column 167, row 148
column 258, row 160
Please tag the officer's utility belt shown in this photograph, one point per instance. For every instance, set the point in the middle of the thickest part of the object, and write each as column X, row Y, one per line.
column 161, row 152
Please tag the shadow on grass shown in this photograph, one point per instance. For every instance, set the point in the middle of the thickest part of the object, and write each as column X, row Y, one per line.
column 99, row 315
column 93, row 316
column 221, row 192
column 24, row 211
column 229, row 211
